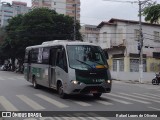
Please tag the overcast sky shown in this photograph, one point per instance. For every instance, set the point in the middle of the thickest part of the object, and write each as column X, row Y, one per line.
column 95, row 11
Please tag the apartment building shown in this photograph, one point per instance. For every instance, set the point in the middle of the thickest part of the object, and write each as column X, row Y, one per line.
column 20, row 8
column 66, row 7
column 120, row 38
column 7, row 11
column 90, row 33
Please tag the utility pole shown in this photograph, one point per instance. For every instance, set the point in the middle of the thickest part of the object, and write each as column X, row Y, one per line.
column 141, row 44
column 141, row 41
column 75, row 14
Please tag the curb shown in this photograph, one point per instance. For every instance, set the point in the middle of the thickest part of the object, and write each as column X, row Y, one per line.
column 132, row 81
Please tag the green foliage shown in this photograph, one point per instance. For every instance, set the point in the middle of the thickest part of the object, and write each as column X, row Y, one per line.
column 35, row 27
column 152, row 13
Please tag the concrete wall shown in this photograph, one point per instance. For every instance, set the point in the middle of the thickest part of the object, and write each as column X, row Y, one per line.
column 106, row 39
column 134, row 76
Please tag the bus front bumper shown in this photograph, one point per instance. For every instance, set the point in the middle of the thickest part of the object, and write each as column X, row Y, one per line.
column 89, row 88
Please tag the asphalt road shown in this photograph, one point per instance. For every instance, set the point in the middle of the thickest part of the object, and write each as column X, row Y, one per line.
column 16, row 94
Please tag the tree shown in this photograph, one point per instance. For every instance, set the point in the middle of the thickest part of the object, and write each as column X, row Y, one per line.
column 35, row 27
column 152, row 13
column 2, row 39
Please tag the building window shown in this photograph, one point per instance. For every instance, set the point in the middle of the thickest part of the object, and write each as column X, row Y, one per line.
column 54, row 3
column 136, row 35
column 114, row 65
column 156, row 36
column 73, row 11
column 118, row 64
column 121, row 65
column 134, row 65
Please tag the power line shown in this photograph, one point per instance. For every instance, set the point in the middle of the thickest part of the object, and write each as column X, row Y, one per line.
column 105, row 33
column 121, row 1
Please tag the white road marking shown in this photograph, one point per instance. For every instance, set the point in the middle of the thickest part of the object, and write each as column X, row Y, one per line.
column 2, row 78
column 146, row 96
column 19, row 78
column 118, row 100
column 52, row 101
column 30, row 102
column 82, row 103
column 104, row 102
column 124, row 97
column 11, row 79
column 64, row 118
column 96, row 116
column 154, row 108
column 7, row 104
column 22, row 77
column 157, row 96
column 140, row 97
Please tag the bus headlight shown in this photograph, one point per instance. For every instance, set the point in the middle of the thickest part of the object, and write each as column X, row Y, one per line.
column 75, row 82
column 108, row 81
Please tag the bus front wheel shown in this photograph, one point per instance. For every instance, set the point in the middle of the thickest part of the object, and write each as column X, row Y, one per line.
column 61, row 92
column 97, row 95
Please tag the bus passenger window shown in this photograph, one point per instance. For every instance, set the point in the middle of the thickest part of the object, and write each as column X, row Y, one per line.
column 45, row 55
column 26, row 57
column 34, row 55
column 52, row 59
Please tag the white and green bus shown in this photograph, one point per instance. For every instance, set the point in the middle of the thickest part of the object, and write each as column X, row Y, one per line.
column 70, row 67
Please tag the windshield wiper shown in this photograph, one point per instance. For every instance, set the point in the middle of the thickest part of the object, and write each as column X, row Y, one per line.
column 84, row 63
column 98, row 63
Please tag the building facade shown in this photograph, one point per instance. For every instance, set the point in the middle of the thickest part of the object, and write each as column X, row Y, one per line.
column 7, row 11
column 90, row 33
column 66, row 7
column 120, row 38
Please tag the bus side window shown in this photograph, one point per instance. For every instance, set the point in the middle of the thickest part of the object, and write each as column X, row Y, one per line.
column 26, row 57
column 53, row 54
column 29, row 57
column 34, row 55
column 45, row 55
column 61, row 60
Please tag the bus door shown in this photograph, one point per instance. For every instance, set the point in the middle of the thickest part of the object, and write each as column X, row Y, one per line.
column 53, row 54
column 61, row 65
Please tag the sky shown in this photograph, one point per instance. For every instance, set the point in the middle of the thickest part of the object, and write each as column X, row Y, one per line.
column 93, row 12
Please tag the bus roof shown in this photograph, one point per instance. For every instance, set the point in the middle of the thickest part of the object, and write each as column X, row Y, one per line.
column 61, row 42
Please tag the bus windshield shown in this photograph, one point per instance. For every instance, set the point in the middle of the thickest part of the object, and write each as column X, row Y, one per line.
column 85, row 57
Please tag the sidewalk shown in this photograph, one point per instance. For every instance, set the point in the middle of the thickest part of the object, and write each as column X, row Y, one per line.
column 134, row 81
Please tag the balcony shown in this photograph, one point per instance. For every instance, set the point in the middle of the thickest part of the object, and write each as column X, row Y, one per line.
column 46, row 4
column 118, row 43
column 70, row 8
